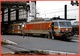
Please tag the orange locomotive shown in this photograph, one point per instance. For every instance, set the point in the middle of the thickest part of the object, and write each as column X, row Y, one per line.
column 58, row 28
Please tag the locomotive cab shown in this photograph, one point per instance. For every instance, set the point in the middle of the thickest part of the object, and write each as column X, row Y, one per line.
column 63, row 28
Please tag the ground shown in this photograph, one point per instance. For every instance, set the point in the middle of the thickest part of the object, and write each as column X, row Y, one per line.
column 40, row 43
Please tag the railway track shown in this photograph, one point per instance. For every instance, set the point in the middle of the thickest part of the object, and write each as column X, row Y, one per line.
column 16, row 49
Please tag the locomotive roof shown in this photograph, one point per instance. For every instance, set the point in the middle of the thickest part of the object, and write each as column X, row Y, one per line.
column 47, row 21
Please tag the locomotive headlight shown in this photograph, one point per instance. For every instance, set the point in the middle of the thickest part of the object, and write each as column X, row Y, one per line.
column 23, row 24
column 62, row 30
column 69, row 30
column 66, row 29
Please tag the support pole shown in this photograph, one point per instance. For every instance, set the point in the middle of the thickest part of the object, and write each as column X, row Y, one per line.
column 65, row 12
column 2, row 16
column 2, row 23
column 8, row 16
column 17, row 14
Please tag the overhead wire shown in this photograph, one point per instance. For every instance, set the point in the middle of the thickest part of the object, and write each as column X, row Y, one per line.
column 58, row 11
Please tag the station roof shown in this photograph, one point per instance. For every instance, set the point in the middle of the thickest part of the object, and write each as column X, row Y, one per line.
column 13, row 5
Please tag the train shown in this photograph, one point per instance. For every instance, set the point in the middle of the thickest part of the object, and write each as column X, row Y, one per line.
column 75, row 27
column 13, row 28
column 57, row 28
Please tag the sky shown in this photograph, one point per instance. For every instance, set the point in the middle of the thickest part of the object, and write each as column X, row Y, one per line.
column 48, row 9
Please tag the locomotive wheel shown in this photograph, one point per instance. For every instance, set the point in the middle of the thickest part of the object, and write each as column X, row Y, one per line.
column 68, row 39
column 42, row 35
column 55, row 37
column 45, row 36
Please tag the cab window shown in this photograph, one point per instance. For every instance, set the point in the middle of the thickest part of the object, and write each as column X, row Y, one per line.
column 62, row 24
column 68, row 23
column 55, row 24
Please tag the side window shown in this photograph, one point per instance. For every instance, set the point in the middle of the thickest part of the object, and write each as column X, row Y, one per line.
column 13, row 27
column 16, row 27
column 10, row 27
column 62, row 24
column 6, row 27
column 55, row 24
column 20, row 26
column 68, row 23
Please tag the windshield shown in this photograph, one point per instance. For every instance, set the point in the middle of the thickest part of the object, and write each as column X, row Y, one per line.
column 68, row 24
column 55, row 24
column 63, row 24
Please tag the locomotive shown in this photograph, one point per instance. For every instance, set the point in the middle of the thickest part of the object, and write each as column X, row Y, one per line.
column 59, row 28
column 75, row 28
